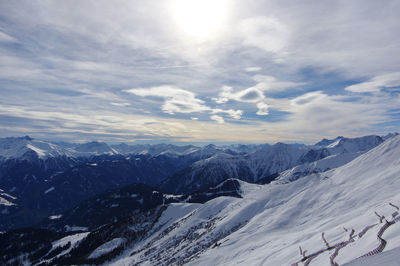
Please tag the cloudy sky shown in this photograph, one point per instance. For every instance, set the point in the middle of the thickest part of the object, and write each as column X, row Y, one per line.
column 199, row 70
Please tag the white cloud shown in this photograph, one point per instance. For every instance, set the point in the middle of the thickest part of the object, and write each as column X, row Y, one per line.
column 316, row 113
column 235, row 114
column 271, row 84
column 262, row 108
column 252, row 69
column 6, row 38
column 218, row 119
column 308, row 98
column 247, row 95
column 120, row 104
column 377, row 83
column 266, row 33
column 177, row 100
column 255, row 94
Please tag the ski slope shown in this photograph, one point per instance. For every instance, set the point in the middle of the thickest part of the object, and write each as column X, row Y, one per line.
column 297, row 213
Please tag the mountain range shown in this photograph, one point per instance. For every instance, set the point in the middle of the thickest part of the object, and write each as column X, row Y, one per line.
column 95, row 203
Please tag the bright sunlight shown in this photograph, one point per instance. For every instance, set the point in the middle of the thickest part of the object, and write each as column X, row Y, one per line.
column 200, row 19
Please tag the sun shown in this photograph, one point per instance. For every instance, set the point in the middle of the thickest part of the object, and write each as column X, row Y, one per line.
column 200, row 19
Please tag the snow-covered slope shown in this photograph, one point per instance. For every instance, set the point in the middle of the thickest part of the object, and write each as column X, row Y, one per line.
column 336, row 153
column 28, row 148
column 23, row 146
column 387, row 258
column 94, row 148
column 270, row 222
column 296, row 214
column 6, row 200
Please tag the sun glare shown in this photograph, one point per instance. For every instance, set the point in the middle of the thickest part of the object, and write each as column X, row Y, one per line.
column 200, row 19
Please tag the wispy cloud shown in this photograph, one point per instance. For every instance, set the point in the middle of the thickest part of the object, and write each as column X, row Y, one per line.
column 6, row 38
column 287, row 70
column 252, row 69
column 389, row 80
column 266, row 33
column 177, row 100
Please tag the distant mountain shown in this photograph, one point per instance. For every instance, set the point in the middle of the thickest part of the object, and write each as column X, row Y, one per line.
column 264, row 164
column 46, row 179
column 326, row 142
column 28, row 148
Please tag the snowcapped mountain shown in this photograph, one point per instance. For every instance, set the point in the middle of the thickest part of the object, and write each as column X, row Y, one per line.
column 71, row 173
column 24, row 147
column 173, row 150
column 335, row 216
column 29, row 149
column 265, row 163
column 335, row 153
column 327, row 142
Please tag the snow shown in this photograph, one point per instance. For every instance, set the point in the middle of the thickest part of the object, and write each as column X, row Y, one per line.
column 270, row 222
column 40, row 152
column 322, row 165
column 55, row 217
column 75, row 228
column 387, row 258
column 49, row 190
column 73, row 239
column 17, row 147
column 297, row 213
column 174, row 213
column 5, row 199
column 107, row 247
column 171, row 196
column 5, row 202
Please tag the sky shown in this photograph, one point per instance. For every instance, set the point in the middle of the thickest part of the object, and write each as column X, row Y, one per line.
column 199, row 71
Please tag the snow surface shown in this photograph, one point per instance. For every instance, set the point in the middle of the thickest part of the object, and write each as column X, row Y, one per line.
column 73, row 239
column 5, row 199
column 49, row 190
column 270, row 222
column 5, row 202
column 74, row 228
column 17, row 147
column 296, row 214
column 107, row 247
column 55, row 217
column 387, row 258
column 319, row 166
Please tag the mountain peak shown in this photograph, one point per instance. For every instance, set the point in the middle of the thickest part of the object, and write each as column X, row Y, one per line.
column 326, row 142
